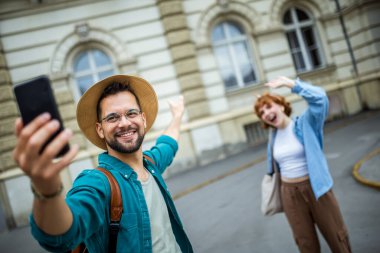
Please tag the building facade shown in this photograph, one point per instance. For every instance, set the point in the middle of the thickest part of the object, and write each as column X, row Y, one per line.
column 217, row 53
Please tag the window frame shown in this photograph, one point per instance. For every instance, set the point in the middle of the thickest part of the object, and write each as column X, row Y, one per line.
column 229, row 42
column 297, row 27
column 93, row 70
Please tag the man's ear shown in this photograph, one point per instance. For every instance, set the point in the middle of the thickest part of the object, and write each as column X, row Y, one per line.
column 99, row 130
column 144, row 119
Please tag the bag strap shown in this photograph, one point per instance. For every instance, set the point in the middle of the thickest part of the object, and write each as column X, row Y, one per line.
column 80, row 249
column 150, row 159
column 271, row 140
column 116, row 209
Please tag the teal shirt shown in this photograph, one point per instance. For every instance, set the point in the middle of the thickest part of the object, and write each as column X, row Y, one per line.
column 308, row 128
column 89, row 201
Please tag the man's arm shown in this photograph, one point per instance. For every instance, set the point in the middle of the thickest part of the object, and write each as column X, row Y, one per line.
column 166, row 146
column 52, row 215
column 177, row 108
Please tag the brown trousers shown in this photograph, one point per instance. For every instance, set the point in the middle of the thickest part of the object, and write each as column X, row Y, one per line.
column 303, row 211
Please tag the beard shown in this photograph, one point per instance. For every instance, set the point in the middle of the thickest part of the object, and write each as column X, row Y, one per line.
column 123, row 148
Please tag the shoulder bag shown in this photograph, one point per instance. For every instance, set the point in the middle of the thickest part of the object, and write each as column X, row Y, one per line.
column 271, row 202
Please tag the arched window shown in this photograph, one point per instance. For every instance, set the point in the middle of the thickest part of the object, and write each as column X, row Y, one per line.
column 91, row 66
column 233, row 55
column 303, row 40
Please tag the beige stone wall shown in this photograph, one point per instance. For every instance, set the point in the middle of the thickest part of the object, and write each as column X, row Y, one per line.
column 8, row 114
column 183, row 53
column 370, row 93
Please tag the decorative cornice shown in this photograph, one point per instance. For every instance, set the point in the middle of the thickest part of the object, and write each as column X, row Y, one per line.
column 84, row 33
column 345, row 10
column 317, row 7
column 22, row 10
column 224, row 9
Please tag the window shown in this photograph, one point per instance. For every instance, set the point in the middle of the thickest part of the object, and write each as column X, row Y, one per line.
column 302, row 39
column 255, row 133
column 91, row 66
column 233, row 55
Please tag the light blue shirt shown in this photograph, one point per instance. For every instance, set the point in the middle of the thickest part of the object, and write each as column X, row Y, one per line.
column 308, row 128
column 89, row 201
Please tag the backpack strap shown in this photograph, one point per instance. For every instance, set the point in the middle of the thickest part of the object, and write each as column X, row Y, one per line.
column 81, row 248
column 150, row 159
column 116, row 209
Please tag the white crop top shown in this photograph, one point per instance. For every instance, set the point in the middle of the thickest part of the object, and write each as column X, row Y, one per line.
column 289, row 153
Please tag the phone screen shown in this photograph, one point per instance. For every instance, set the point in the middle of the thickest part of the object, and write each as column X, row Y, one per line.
column 35, row 97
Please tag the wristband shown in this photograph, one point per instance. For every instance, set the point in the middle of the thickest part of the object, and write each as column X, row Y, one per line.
column 40, row 196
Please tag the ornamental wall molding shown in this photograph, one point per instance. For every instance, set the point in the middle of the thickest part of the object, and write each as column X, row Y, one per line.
column 225, row 10
column 83, row 34
column 318, row 8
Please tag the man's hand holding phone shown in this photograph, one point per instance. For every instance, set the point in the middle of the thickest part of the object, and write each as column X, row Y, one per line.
column 41, row 167
column 41, row 136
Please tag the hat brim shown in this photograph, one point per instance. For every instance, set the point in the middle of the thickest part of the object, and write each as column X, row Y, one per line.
column 86, row 108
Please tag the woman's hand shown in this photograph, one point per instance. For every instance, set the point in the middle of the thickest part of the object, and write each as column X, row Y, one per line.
column 280, row 81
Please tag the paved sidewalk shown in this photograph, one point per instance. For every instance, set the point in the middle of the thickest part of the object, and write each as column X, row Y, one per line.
column 370, row 168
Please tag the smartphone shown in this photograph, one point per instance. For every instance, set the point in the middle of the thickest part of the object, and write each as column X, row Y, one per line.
column 35, row 97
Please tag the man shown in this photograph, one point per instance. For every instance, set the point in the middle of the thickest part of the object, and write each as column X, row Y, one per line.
column 114, row 114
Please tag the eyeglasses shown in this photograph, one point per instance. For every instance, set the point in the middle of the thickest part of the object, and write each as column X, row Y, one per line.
column 116, row 117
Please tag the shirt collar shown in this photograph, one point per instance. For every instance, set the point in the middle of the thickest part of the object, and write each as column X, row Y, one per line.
column 110, row 162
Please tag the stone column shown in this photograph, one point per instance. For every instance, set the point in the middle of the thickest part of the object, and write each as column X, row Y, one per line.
column 8, row 114
column 183, row 52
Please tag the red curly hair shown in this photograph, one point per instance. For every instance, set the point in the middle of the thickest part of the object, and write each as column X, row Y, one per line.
column 267, row 99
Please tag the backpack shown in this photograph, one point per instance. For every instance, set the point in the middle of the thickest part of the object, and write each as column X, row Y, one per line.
column 116, row 209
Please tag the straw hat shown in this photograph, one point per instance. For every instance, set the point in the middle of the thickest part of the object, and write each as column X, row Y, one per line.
column 86, row 108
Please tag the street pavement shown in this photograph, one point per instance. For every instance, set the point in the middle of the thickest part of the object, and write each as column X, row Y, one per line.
column 220, row 203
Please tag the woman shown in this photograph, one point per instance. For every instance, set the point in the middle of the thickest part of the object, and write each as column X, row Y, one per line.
column 306, row 183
